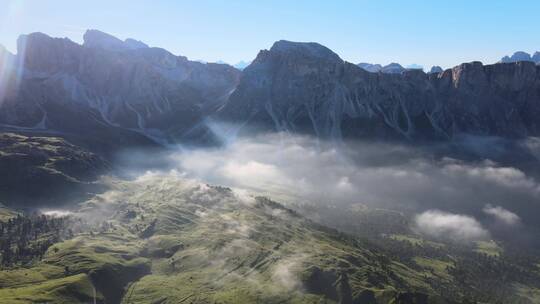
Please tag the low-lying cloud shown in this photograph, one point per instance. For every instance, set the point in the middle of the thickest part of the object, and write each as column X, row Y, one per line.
column 440, row 224
column 56, row 212
column 303, row 170
column 285, row 272
column 501, row 214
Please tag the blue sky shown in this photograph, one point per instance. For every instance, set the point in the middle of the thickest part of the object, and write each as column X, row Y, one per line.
column 441, row 32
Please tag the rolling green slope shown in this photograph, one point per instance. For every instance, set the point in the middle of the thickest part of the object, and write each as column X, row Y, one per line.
column 6, row 213
column 164, row 239
column 38, row 170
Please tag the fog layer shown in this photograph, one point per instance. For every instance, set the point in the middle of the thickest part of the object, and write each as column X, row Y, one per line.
column 413, row 180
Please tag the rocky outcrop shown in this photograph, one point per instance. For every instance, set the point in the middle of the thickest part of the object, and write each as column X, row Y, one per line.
column 97, row 39
column 373, row 68
column 46, row 170
column 436, row 69
column 114, row 86
column 536, row 57
column 393, row 68
column 522, row 56
column 311, row 91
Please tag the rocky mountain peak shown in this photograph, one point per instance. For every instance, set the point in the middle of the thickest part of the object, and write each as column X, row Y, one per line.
column 135, row 44
column 304, row 49
column 393, row 68
column 343, row 100
column 37, row 39
column 112, row 88
column 436, row 69
column 293, row 86
column 469, row 75
column 521, row 56
column 373, row 68
column 98, row 39
column 41, row 53
column 536, row 57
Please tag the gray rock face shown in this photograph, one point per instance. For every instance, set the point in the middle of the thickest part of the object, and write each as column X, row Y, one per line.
column 300, row 92
column 521, row 56
column 436, row 69
column 536, row 57
column 112, row 86
column 135, row 44
column 298, row 50
column 393, row 68
column 373, row 68
column 97, row 39
column 36, row 170
column 122, row 92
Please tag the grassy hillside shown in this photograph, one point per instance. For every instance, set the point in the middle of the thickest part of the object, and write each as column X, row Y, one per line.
column 45, row 170
column 163, row 239
column 6, row 213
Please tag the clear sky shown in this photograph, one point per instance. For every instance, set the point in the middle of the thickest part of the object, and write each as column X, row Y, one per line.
column 425, row 32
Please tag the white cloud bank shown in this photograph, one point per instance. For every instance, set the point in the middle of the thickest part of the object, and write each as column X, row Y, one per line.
column 383, row 175
column 501, row 214
column 442, row 224
column 301, row 169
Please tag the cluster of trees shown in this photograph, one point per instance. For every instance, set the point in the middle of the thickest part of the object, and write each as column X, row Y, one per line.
column 405, row 251
column 473, row 277
column 366, row 223
column 491, row 279
column 24, row 239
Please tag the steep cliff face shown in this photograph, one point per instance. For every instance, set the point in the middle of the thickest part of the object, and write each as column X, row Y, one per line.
column 121, row 86
column 299, row 87
column 124, row 92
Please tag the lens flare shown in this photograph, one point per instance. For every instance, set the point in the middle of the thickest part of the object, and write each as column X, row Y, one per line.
column 11, row 22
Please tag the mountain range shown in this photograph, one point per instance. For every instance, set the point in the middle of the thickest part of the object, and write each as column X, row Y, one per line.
column 392, row 68
column 305, row 87
column 112, row 93
column 111, row 90
column 522, row 56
